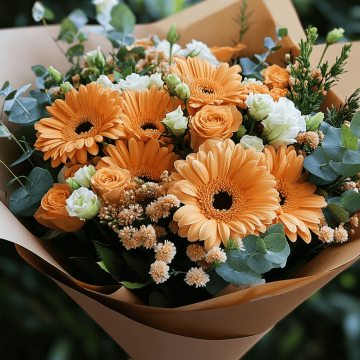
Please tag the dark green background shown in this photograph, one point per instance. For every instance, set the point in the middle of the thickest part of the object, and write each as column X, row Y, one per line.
column 38, row 321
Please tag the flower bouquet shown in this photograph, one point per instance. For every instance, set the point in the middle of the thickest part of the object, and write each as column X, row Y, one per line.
column 168, row 186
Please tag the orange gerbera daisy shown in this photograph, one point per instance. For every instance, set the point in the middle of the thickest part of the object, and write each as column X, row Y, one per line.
column 226, row 192
column 300, row 209
column 144, row 160
column 210, row 85
column 78, row 123
column 143, row 112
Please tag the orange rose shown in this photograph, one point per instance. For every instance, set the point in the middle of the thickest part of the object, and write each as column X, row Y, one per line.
column 225, row 53
column 213, row 122
column 276, row 77
column 110, row 182
column 52, row 212
column 277, row 93
column 257, row 88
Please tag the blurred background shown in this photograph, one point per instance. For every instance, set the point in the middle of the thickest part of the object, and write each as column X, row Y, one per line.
column 38, row 321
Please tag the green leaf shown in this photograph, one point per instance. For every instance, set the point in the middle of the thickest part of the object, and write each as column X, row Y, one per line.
column 24, row 204
column 282, row 32
column 39, row 96
column 275, row 242
column 332, row 145
column 68, row 31
column 352, row 157
column 260, row 247
column 138, row 266
column 258, row 263
column 10, row 98
column 49, row 15
column 350, row 201
column 112, row 262
column 243, row 275
column 276, row 229
column 340, row 214
column 122, row 54
column 316, row 164
column 21, row 111
column 82, row 36
column 38, row 11
column 79, row 18
column 130, row 285
column 117, row 76
column 23, row 157
column 39, row 70
column 269, row 43
column 76, row 50
column 12, row 181
column 349, row 140
column 119, row 39
column 249, row 67
column 4, row 132
column 6, row 89
column 278, row 257
column 93, row 271
column 122, row 18
column 249, row 243
column 343, row 169
column 216, row 283
column 127, row 72
column 355, row 124
column 157, row 300
column 273, row 49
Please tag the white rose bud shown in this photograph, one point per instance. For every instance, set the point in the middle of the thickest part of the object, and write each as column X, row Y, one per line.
column 73, row 184
column 104, row 80
column 182, row 92
column 172, row 80
column 155, row 79
column 83, row 203
column 83, row 176
column 334, row 35
column 248, row 142
column 259, row 105
column 134, row 82
column 283, row 123
column 314, row 122
column 90, row 57
column 176, row 121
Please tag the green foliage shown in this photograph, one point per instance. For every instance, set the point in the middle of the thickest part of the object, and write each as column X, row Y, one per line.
column 131, row 286
column 122, row 18
column 24, row 204
column 261, row 254
column 76, row 50
column 243, row 20
column 253, row 67
column 216, row 283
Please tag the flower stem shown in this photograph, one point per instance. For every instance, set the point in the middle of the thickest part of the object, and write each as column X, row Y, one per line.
column 327, row 45
column 15, row 177
column 57, row 44
column 252, row 127
column 170, row 57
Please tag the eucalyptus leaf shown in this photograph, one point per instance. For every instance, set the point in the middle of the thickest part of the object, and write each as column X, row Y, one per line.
column 282, row 32
column 278, row 257
column 139, row 267
column 119, row 39
column 12, row 181
column 39, row 70
column 355, row 124
column 118, row 76
column 269, row 43
column 76, row 50
column 122, row 18
column 216, row 283
column 38, row 11
column 249, row 243
column 340, row 214
column 24, row 204
column 79, row 18
column 4, row 132
column 275, row 229
column 130, row 285
column 238, row 277
column 349, row 140
column 10, row 98
column 6, row 89
column 332, row 145
column 23, row 157
column 275, row 242
column 350, row 201
column 352, row 157
column 68, row 31
column 346, row 170
column 258, row 263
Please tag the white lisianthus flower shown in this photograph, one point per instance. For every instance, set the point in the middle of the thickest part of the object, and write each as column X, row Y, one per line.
column 182, row 92
column 259, row 105
column 83, row 203
column 201, row 50
column 104, row 6
column 104, row 80
column 134, row 82
column 83, row 176
column 249, row 80
column 248, row 142
column 90, row 57
column 155, row 79
column 176, row 121
column 283, row 123
column 164, row 46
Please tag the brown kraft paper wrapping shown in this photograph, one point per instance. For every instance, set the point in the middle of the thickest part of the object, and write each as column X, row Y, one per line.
column 228, row 325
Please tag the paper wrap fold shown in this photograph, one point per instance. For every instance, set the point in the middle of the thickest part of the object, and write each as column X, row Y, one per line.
column 229, row 325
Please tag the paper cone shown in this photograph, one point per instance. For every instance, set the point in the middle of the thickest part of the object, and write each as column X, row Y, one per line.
column 224, row 327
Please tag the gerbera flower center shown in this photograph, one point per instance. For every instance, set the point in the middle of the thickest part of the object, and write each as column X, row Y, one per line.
column 149, row 124
column 203, row 88
column 84, row 123
column 287, row 196
column 84, row 127
column 221, row 199
column 146, row 173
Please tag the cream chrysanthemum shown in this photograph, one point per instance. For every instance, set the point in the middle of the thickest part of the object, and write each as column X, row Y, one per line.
column 195, row 252
column 215, row 254
column 159, row 231
column 146, row 235
column 161, row 207
column 197, row 277
column 173, row 226
column 326, row 234
column 227, row 192
column 159, row 271
column 165, row 252
column 340, row 234
column 127, row 238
